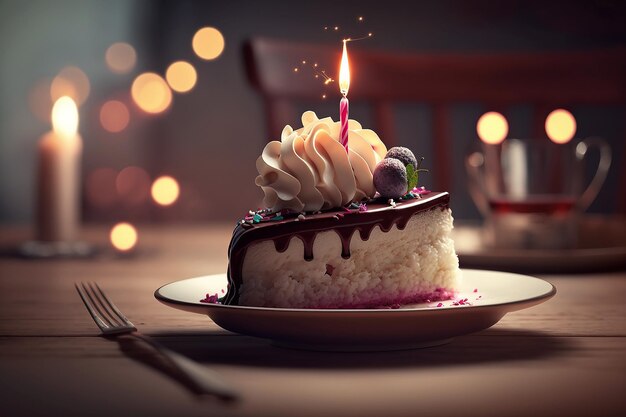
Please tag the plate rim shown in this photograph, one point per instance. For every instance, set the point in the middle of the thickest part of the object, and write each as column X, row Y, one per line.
column 167, row 301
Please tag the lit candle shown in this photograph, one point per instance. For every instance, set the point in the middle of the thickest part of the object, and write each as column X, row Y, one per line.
column 58, row 182
column 344, row 85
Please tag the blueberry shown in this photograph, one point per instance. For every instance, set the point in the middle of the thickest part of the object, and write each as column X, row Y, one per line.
column 402, row 154
column 390, row 178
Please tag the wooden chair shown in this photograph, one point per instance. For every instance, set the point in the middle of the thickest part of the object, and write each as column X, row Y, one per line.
column 545, row 80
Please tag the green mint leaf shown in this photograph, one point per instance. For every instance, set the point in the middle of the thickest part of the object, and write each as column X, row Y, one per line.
column 411, row 176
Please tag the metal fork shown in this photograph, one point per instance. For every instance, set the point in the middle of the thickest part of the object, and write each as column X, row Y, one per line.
column 113, row 323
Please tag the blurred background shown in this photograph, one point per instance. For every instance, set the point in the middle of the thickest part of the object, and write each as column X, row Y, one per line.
column 145, row 115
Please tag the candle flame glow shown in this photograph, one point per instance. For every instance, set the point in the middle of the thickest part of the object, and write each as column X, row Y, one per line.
column 65, row 117
column 344, row 71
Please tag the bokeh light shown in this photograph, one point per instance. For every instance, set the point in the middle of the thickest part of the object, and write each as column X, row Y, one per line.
column 123, row 236
column 72, row 82
column 165, row 190
column 133, row 185
column 492, row 128
column 181, row 76
column 100, row 187
column 560, row 126
column 151, row 93
column 208, row 43
column 120, row 58
column 114, row 116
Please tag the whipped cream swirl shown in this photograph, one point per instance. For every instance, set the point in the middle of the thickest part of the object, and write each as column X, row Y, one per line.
column 309, row 169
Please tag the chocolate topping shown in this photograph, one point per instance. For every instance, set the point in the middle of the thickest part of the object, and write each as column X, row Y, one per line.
column 342, row 222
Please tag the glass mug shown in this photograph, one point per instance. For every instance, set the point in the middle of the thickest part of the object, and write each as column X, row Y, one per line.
column 531, row 192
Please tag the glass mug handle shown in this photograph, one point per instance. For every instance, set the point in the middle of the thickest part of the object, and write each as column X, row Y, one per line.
column 604, row 164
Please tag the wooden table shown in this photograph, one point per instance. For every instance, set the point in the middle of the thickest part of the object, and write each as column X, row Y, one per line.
column 564, row 357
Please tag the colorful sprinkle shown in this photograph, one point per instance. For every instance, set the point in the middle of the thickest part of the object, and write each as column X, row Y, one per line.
column 211, row 299
column 420, row 191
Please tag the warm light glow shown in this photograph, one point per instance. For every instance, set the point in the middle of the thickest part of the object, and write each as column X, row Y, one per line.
column 208, row 43
column 65, row 117
column 72, row 82
column 123, row 236
column 344, row 71
column 165, row 190
column 120, row 58
column 492, row 128
column 151, row 93
column 114, row 116
column 560, row 126
column 181, row 76
column 133, row 185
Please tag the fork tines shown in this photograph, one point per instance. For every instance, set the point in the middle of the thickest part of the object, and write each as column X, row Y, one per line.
column 106, row 315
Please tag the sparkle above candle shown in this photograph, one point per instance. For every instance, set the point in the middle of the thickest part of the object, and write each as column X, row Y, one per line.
column 344, row 86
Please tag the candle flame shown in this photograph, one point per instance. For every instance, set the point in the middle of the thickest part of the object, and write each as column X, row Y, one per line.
column 344, row 71
column 65, row 117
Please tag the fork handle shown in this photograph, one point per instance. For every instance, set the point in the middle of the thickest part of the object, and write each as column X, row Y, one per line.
column 204, row 380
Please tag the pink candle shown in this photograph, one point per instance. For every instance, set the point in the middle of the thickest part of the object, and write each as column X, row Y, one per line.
column 343, row 115
column 344, row 85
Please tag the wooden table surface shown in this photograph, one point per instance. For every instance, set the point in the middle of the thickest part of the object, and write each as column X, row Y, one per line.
column 564, row 357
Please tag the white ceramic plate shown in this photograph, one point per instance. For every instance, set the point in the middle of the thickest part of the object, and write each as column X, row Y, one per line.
column 410, row 326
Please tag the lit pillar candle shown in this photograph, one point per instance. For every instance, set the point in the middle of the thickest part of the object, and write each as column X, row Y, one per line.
column 58, row 180
column 344, row 86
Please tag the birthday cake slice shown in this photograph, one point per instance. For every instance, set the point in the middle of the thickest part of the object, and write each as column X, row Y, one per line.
column 344, row 227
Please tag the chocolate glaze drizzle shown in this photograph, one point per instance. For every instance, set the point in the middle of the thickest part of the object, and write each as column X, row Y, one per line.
column 281, row 232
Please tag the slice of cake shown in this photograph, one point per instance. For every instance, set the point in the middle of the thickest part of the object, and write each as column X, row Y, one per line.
column 342, row 229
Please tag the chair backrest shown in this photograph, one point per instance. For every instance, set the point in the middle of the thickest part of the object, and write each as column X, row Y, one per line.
column 544, row 80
